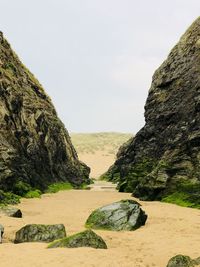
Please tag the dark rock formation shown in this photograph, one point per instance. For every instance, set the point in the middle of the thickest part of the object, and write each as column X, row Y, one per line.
column 1, row 232
column 122, row 215
column 11, row 211
column 164, row 156
column 84, row 239
column 183, row 261
column 40, row 233
column 35, row 148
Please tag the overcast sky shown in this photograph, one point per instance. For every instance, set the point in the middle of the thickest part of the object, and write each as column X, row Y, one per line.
column 95, row 58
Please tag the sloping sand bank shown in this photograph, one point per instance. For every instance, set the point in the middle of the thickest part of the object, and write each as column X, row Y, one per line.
column 169, row 230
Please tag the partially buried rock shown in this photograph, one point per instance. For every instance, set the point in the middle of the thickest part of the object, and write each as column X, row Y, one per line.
column 84, row 239
column 183, row 261
column 122, row 215
column 11, row 212
column 40, row 233
column 1, row 232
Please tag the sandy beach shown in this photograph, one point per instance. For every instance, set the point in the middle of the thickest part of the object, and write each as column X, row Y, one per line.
column 99, row 162
column 169, row 230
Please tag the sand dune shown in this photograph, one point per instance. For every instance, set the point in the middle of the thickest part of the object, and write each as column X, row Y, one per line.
column 98, row 161
column 98, row 150
column 169, row 230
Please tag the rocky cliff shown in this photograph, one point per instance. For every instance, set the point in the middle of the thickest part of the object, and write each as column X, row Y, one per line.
column 164, row 157
column 35, row 148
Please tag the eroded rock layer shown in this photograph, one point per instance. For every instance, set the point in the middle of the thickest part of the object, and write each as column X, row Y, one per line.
column 35, row 147
column 164, row 156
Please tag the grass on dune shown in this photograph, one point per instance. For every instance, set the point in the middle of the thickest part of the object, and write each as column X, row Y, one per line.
column 92, row 142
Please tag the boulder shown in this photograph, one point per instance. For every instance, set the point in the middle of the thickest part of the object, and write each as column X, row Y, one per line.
column 84, row 239
column 183, row 261
column 163, row 159
column 122, row 215
column 40, row 233
column 11, row 211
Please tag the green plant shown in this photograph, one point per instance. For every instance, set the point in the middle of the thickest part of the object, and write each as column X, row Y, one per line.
column 53, row 188
column 8, row 198
column 33, row 194
column 21, row 188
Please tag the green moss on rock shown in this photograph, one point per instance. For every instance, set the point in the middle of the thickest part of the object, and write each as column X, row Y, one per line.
column 53, row 188
column 118, row 216
column 40, row 233
column 33, row 194
column 187, row 194
column 83, row 239
column 182, row 261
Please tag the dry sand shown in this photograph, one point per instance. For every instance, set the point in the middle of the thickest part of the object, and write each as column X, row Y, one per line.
column 99, row 161
column 169, row 230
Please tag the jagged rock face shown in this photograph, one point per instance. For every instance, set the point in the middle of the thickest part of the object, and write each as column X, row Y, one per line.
column 34, row 145
column 165, row 153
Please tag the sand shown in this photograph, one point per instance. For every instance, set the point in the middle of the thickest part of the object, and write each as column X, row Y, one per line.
column 169, row 230
column 99, row 161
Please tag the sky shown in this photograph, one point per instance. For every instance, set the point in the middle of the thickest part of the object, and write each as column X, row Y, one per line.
column 96, row 58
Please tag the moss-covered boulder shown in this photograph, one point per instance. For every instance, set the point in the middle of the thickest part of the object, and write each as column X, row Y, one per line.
column 40, row 233
column 183, row 261
column 164, row 156
column 35, row 147
column 122, row 215
column 11, row 211
column 84, row 239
